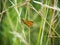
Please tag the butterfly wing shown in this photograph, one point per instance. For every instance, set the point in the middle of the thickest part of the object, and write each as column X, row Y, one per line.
column 29, row 23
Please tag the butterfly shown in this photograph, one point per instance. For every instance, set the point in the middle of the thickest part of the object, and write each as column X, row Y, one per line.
column 27, row 22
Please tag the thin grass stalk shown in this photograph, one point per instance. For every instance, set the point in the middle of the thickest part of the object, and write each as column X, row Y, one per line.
column 52, row 22
column 28, row 10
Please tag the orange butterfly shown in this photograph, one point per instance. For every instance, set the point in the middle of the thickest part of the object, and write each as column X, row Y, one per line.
column 27, row 22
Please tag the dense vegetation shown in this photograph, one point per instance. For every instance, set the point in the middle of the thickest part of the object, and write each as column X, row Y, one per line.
column 29, row 22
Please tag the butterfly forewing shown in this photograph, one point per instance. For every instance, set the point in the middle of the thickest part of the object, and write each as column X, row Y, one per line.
column 29, row 23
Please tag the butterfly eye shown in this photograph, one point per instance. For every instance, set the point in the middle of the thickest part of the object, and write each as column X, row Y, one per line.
column 27, row 22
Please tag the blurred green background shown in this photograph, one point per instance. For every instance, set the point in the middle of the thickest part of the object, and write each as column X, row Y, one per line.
column 45, row 15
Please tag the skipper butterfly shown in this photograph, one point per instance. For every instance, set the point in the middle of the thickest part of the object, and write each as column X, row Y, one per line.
column 27, row 22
